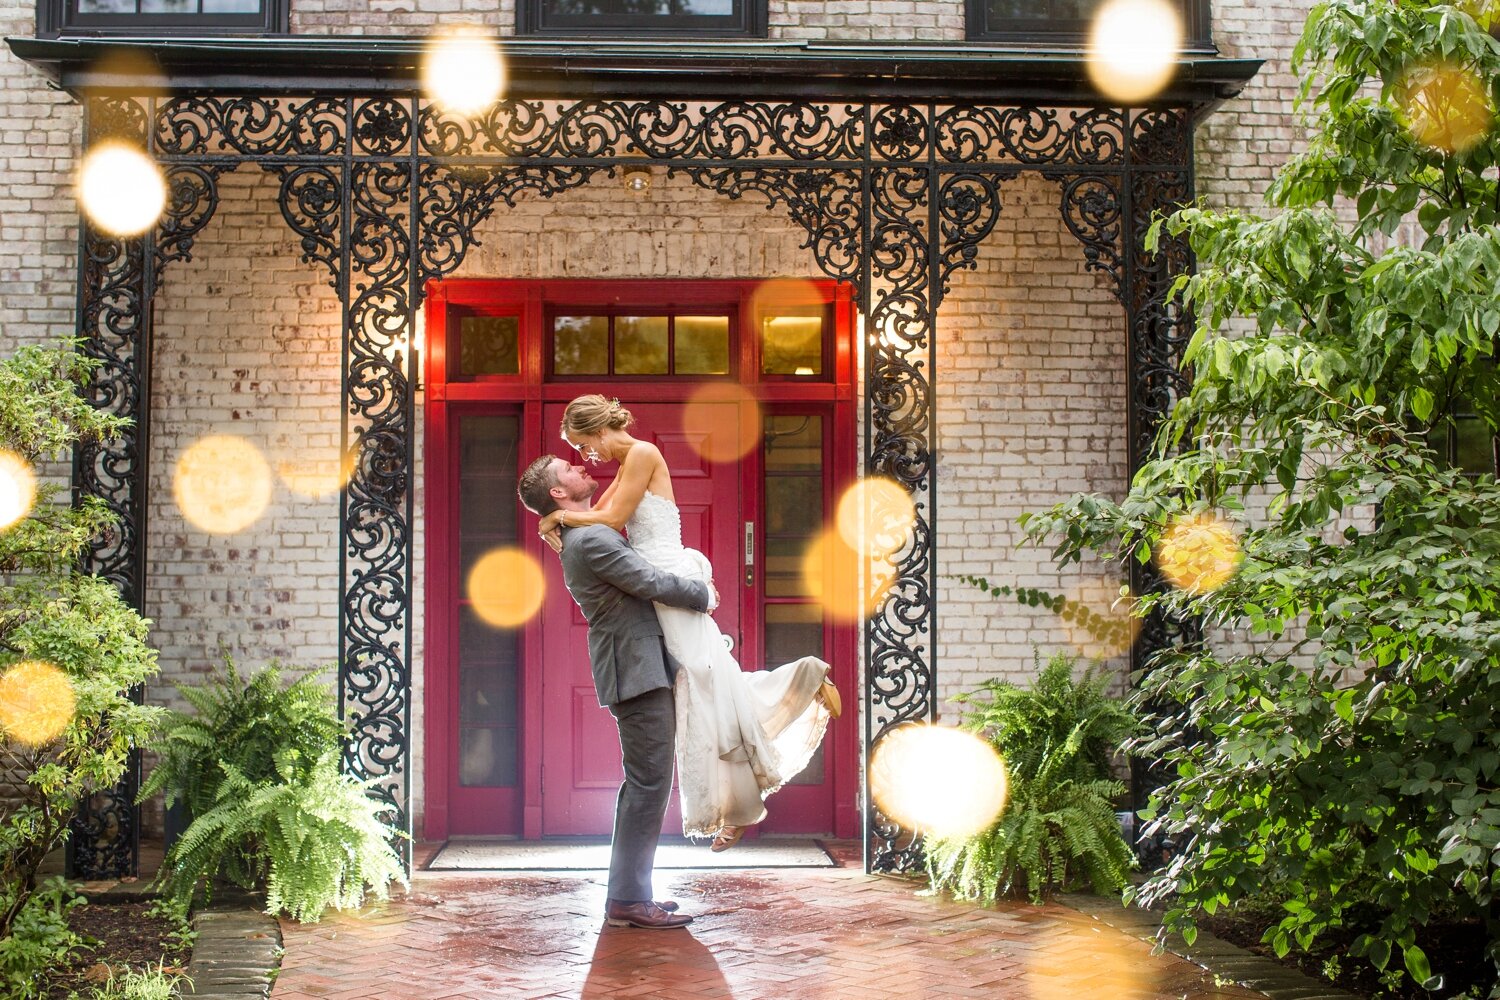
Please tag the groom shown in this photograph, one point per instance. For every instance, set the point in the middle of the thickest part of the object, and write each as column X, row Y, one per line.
column 632, row 676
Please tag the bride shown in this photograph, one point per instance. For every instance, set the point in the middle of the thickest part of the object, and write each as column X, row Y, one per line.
column 740, row 735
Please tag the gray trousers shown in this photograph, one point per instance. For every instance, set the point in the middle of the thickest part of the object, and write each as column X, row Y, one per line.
column 648, row 733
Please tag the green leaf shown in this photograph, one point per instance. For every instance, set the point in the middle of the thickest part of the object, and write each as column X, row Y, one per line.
column 1417, row 964
column 1421, row 403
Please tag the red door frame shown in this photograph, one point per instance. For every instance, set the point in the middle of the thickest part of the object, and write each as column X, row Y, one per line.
column 525, row 392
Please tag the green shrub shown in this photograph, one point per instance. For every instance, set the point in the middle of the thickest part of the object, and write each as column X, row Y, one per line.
column 259, row 768
column 1058, row 830
column 39, row 939
column 51, row 613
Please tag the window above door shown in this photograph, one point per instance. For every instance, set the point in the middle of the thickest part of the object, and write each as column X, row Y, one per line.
column 73, row 18
column 666, row 18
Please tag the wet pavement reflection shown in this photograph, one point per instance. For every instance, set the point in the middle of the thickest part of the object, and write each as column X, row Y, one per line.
column 781, row 934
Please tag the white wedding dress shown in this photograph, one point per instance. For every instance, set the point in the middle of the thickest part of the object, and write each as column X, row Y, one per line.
column 740, row 735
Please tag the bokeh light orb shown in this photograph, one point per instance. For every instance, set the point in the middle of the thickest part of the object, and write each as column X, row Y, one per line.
column 1098, row 619
column 946, row 782
column 37, row 701
column 876, row 516
column 722, row 422
column 17, row 488
column 120, row 189
column 1126, row 963
column 849, row 585
column 1199, row 553
column 1133, row 47
column 506, row 587
column 316, row 479
column 462, row 72
column 222, row 484
column 1445, row 107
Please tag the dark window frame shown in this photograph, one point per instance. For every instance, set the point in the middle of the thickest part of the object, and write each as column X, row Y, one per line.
column 1446, row 431
column 748, row 21
column 59, row 18
column 1197, row 25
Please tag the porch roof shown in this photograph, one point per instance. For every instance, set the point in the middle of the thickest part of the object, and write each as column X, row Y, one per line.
column 583, row 68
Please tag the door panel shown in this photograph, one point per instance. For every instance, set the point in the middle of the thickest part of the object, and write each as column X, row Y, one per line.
column 581, row 767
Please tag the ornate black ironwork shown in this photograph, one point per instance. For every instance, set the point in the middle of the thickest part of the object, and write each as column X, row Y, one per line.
column 387, row 193
column 114, row 318
column 1159, row 330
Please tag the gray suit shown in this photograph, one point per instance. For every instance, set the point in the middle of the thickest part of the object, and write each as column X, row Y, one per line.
column 632, row 678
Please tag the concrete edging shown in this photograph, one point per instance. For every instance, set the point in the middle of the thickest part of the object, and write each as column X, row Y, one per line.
column 236, row 955
column 1222, row 959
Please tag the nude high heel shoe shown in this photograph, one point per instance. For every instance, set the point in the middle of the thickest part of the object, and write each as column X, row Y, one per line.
column 829, row 696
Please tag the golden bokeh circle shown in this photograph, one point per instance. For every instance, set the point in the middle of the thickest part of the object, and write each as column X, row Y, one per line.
column 876, row 516
column 462, row 72
column 17, row 488
column 1446, row 107
column 946, row 782
column 1133, row 47
column 316, row 480
column 1199, row 553
column 506, row 587
column 37, row 701
column 1126, row 963
column 722, row 422
column 120, row 189
column 849, row 585
column 1098, row 619
column 222, row 484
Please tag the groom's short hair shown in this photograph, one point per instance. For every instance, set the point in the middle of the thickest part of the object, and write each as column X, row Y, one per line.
column 536, row 485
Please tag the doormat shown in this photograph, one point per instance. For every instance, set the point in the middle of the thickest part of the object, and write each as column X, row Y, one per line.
column 593, row 855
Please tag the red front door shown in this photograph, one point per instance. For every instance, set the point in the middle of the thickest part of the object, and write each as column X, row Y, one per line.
column 516, row 743
column 581, row 752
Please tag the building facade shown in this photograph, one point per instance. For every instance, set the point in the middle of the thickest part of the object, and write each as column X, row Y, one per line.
column 363, row 285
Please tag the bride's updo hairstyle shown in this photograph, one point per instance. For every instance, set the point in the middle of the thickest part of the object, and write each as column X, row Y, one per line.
column 593, row 414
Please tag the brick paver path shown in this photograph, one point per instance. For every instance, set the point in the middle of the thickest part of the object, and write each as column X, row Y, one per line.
column 782, row 934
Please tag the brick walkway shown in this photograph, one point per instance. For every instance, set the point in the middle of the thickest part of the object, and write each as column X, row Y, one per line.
column 786, row 934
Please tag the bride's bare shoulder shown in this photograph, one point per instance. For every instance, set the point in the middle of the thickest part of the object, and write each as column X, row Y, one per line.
column 646, row 453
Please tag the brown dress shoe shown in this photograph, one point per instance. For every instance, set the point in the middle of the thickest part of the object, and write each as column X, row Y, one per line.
column 643, row 914
column 670, row 905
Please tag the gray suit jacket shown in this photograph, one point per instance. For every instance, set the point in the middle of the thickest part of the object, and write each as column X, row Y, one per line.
column 615, row 587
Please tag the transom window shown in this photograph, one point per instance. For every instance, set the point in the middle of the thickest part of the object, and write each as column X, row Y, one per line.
column 743, row 18
column 166, row 17
column 680, row 344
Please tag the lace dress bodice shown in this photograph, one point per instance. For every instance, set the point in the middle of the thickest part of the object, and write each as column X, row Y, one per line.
column 655, row 531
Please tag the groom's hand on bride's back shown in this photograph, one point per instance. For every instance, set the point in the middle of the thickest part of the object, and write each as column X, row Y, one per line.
column 713, row 597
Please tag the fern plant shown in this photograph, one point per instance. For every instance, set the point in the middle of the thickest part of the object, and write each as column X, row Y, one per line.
column 312, row 835
column 1058, row 830
column 244, row 722
column 258, row 767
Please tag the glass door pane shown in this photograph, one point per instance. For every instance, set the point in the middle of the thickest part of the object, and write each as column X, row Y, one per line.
column 794, row 514
column 488, row 657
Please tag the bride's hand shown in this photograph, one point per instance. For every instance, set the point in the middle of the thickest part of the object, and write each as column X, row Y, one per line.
column 549, row 524
column 554, row 539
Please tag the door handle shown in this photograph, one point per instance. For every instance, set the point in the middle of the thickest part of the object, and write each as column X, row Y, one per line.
column 749, row 553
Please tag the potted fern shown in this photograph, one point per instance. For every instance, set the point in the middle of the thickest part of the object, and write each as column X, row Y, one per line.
column 1059, row 830
column 257, row 771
